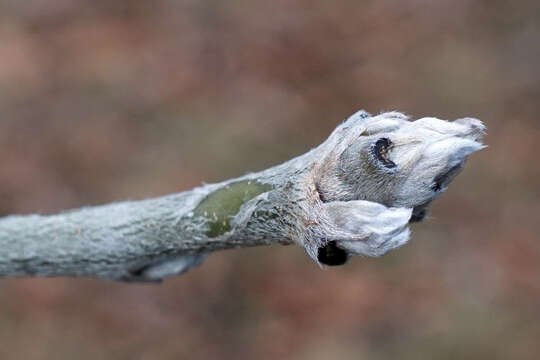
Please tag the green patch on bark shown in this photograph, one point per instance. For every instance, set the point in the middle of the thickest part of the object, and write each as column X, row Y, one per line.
column 220, row 206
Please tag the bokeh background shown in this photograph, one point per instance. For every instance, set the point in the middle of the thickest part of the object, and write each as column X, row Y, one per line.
column 103, row 101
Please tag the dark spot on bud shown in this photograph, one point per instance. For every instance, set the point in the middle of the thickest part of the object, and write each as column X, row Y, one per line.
column 444, row 178
column 364, row 114
column 418, row 216
column 380, row 151
column 332, row 255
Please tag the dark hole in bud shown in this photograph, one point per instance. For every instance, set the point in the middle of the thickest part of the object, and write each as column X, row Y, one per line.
column 380, row 150
column 442, row 179
column 332, row 255
column 418, row 216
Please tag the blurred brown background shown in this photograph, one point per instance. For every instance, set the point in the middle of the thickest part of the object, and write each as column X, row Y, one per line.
column 103, row 101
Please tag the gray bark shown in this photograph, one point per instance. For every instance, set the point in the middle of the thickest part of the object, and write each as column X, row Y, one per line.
column 339, row 199
column 149, row 239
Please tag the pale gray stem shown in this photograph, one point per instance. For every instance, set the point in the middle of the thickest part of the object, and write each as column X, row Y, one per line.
column 150, row 239
column 140, row 240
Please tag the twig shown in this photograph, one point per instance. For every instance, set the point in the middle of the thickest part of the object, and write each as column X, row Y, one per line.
column 352, row 195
